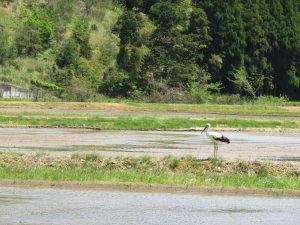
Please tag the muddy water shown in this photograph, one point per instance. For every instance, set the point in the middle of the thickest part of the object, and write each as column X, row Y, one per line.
column 247, row 145
column 59, row 206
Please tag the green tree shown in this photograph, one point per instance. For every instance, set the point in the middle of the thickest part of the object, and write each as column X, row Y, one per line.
column 61, row 13
column 257, row 46
column 68, row 55
column 132, row 49
column 4, row 46
column 67, row 61
column 36, row 32
column 228, row 36
column 167, row 15
column 81, row 35
column 198, row 31
column 285, row 41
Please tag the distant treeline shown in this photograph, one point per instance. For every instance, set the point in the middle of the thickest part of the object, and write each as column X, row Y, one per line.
column 174, row 50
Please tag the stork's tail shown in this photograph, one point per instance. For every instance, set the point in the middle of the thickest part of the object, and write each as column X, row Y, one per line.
column 225, row 139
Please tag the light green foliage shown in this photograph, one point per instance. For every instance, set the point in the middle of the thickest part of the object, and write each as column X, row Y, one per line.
column 42, row 84
column 36, row 33
column 240, row 82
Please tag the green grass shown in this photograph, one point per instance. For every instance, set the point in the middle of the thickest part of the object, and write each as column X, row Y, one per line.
column 160, row 116
column 149, row 177
column 204, row 108
column 126, row 105
column 140, row 122
column 169, row 170
column 246, row 109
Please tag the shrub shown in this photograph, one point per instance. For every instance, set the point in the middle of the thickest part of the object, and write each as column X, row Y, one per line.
column 169, row 95
column 262, row 171
column 79, row 90
column 116, row 84
column 227, row 99
column 172, row 162
column 270, row 100
column 243, row 166
column 91, row 157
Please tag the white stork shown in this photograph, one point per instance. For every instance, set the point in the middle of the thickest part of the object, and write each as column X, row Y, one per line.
column 215, row 137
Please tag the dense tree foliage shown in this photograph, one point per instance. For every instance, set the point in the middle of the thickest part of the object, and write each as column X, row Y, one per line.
column 172, row 49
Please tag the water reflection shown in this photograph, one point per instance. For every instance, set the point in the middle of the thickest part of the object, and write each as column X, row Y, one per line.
column 58, row 206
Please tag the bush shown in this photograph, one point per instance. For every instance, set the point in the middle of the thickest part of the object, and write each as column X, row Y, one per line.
column 243, row 166
column 78, row 90
column 262, row 171
column 169, row 95
column 227, row 99
column 116, row 84
column 172, row 162
column 91, row 157
column 270, row 100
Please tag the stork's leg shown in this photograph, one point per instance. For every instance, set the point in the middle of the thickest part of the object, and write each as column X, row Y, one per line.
column 215, row 147
column 216, row 150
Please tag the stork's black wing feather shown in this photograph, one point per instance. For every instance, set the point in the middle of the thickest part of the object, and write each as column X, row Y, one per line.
column 223, row 139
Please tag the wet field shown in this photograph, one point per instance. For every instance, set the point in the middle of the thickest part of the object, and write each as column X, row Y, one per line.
column 61, row 206
column 244, row 145
column 69, row 206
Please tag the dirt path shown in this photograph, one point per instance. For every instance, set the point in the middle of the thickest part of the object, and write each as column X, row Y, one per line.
column 292, row 108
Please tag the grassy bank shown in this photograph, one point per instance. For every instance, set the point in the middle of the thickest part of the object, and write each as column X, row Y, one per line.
column 169, row 170
column 141, row 122
column 145, row 116
column 124, row 105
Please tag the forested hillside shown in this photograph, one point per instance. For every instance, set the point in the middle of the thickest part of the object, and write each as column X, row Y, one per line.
column 159, row 50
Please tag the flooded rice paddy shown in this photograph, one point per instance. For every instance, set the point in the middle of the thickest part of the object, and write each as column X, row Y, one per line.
column 61, row 206
column 244, row 145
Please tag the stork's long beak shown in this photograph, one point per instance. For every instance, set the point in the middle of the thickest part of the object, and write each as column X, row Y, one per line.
column 204, row 129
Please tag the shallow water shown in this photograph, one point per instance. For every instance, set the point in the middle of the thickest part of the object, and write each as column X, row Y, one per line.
column 59, row 206
column 244, row 145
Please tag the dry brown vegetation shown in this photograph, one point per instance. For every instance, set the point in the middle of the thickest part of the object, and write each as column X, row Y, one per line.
column 70, row 105
column 293, row 108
